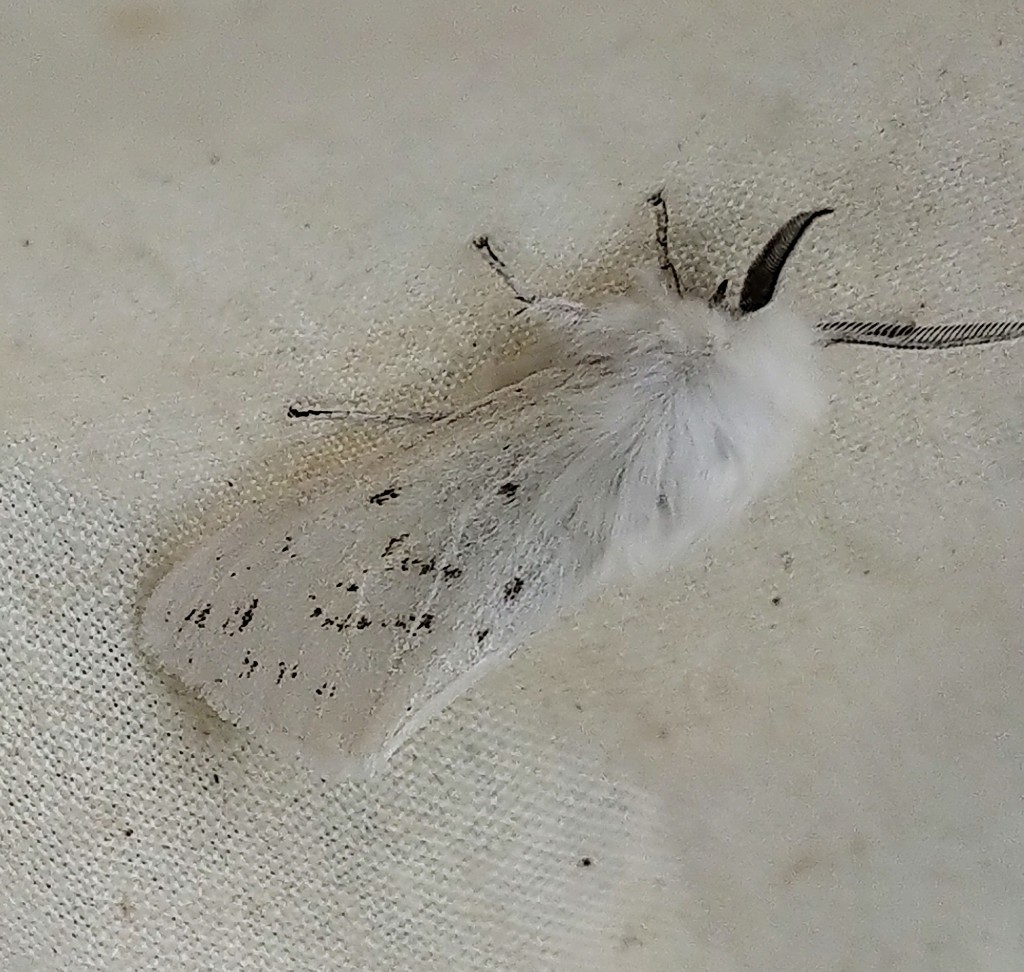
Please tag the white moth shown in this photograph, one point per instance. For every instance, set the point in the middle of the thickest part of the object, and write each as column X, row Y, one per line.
column 338, row 627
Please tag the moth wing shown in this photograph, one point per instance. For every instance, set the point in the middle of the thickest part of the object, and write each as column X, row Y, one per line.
column 337, row 628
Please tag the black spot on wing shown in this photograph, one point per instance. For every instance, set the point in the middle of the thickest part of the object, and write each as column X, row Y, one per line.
column 508, row 491
column 247, row 615
column 249, row 665
column 198, row 615
column 379, row 499
column 283, row 670
column 389, row 548
column 339, row 624
column 513, row 588
column 450, row 573
column 482, row 634
column 412, row 622
column 240, row 617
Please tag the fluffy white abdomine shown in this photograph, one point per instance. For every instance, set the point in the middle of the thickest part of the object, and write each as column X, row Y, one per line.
column 335, row 628
column 697, row 411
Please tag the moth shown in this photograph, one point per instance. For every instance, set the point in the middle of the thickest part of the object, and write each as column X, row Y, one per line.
column 337, row 627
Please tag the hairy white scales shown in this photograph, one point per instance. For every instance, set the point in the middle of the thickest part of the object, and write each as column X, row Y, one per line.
column 336, row 628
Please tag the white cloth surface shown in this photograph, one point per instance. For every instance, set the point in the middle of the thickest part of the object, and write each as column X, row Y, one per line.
column 804, row 753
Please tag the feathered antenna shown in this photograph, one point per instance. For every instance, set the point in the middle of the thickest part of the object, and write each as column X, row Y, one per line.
column 763, row 275
column 914, row 337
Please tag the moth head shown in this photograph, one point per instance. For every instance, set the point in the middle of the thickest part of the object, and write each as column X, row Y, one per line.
column 763, row 275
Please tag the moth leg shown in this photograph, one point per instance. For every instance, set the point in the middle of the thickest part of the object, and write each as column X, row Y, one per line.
column 483, row 244
column 657, row 201
column 361, row 415
column 556, row 310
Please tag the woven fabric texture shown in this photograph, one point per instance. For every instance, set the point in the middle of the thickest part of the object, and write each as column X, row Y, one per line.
column 801, row 753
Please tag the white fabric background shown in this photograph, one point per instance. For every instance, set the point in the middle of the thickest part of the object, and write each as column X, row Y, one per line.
column 213, row 209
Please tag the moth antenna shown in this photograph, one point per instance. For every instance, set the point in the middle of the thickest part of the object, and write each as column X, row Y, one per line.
column 763, row 275
column 912, row 337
